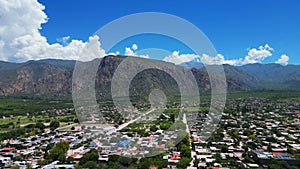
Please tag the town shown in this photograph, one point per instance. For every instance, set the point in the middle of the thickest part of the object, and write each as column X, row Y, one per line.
column 253, row 132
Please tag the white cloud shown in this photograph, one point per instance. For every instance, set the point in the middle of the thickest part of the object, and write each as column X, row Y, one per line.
column 217, row 60
column 130, row 52
column 283, row 60
column 258, row 55
column 134, row 47
column 92, row 49
column 144, row 56
column 63, row 40
column 21, row 40
column 177, row 58
column 20, row 24
column 254, row 56
column 114, row 53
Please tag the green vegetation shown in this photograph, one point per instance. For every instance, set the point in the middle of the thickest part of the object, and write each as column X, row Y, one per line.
column 58, row 152
column 271, row 94
column 28, row 122
column 91, row 156
column 54, row 125
column 23, row 116
column 14, row 106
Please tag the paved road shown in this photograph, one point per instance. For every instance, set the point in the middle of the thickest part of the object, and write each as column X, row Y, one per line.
column 185, row 122
column 68, row 126
column 188, row 131
column 131, row 121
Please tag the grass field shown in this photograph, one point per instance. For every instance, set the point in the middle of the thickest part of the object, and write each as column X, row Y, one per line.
column 21, row 106
column 24, row 120
column 261, row 94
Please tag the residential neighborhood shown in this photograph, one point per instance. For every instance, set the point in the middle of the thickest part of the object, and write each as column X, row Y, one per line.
column 252, row 133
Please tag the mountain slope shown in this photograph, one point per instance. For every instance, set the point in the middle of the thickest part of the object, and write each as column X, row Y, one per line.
column 261, row 76
column 192, row 64
column 54, row 78
column 35, row 78
column 274, row 75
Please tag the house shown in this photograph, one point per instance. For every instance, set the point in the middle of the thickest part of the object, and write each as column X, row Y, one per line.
column 55, row 166
column 252, row 165
column 123, row 143
column 203, row 151
column 164, row 116
column 103, row 156
column 6, row 150
column 215, row 150
column 93, row 144
column 5, row 162
column 174, row 157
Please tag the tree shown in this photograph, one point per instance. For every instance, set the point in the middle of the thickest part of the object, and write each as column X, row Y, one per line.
column 153, row 128
column 144, row 163
column 73, row 128
column 185, row 151
column 235, row 134
column 218, row 158
column 224, row 148
column 62, row 158
column 113, row 158
column 196, row 162
column 172, row 117
column 245, row 148
column 76, row 120
column 277, row 164
column 90, row 165
column 183, row 163
column 42, row 162
column 40, row 125
column 125, row 161
column 54, row 125
column 252, row 136
column 91, row 156
column 114, row 165
column 247, row 132
column 59, row 150
column 165, row 125
column 245, row 125
column 184, row 136
column 247, row 159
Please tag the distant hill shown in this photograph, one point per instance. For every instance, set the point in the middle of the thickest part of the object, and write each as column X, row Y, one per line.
column 260, row 76
column 53, row 78
column 275, row 76
column 64, row 64
column 192, row 64
column 34, row 78
column 242, row 77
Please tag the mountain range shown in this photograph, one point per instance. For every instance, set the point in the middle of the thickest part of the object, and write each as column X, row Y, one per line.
column 259, row 76
column 53, row 78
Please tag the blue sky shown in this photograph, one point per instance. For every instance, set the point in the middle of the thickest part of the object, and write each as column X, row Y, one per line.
column 234, row 27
